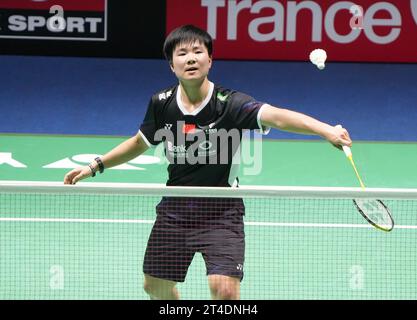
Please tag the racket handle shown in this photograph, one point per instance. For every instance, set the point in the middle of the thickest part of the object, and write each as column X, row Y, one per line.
column 346, row 149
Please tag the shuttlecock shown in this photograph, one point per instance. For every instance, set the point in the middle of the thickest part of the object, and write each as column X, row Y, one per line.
column 318, row 57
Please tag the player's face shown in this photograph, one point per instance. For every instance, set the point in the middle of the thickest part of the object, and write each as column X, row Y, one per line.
column 191, row 61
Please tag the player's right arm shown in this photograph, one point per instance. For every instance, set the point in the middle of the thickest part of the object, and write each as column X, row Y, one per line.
column 127, row 150
column 292, row 121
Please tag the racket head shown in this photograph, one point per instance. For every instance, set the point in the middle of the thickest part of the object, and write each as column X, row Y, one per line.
column 376, row 213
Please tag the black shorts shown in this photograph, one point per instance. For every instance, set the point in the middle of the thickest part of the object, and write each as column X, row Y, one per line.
column 183, row 227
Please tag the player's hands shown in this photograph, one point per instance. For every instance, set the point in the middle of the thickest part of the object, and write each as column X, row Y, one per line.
column 77, row 174
column 339, row 137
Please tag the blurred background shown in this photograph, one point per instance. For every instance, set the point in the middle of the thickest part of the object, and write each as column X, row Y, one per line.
column 93, row 71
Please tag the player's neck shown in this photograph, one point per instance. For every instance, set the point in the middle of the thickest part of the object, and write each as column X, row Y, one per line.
column 193, row 94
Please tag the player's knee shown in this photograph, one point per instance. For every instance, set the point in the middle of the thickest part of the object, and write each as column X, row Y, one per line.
column 225, row 292
column 158, row 289
column 151, row 287
column 148, row 287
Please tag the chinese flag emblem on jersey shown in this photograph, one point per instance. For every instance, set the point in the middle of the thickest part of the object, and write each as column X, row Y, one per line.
column 188, row 128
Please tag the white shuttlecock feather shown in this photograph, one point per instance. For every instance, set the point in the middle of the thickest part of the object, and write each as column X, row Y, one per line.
column 318, row 57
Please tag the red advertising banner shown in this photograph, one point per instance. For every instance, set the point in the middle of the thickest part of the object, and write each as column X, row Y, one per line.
column 366, row 30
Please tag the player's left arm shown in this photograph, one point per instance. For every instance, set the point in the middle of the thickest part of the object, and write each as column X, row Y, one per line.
column 292, row 121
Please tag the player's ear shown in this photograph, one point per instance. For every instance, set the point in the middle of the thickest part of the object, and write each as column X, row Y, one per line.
column 210, row 61
column 171, row 65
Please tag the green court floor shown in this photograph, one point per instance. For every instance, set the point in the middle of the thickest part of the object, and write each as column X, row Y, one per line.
column 91, row 247
column 283, row 163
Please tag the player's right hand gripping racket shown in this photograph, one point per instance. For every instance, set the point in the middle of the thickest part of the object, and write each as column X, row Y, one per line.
column 373, row 210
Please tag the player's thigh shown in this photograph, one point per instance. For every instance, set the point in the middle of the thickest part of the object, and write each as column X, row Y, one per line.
column 167, row 255
column 224, row 251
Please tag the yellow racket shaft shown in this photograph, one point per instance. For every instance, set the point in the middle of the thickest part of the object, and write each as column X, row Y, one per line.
column 356, row 171
column 348, row 154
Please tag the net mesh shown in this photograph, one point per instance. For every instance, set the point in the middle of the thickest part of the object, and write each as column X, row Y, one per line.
column 92, row 246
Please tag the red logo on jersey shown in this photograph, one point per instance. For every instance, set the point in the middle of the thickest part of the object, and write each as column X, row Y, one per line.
column 188, row 128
